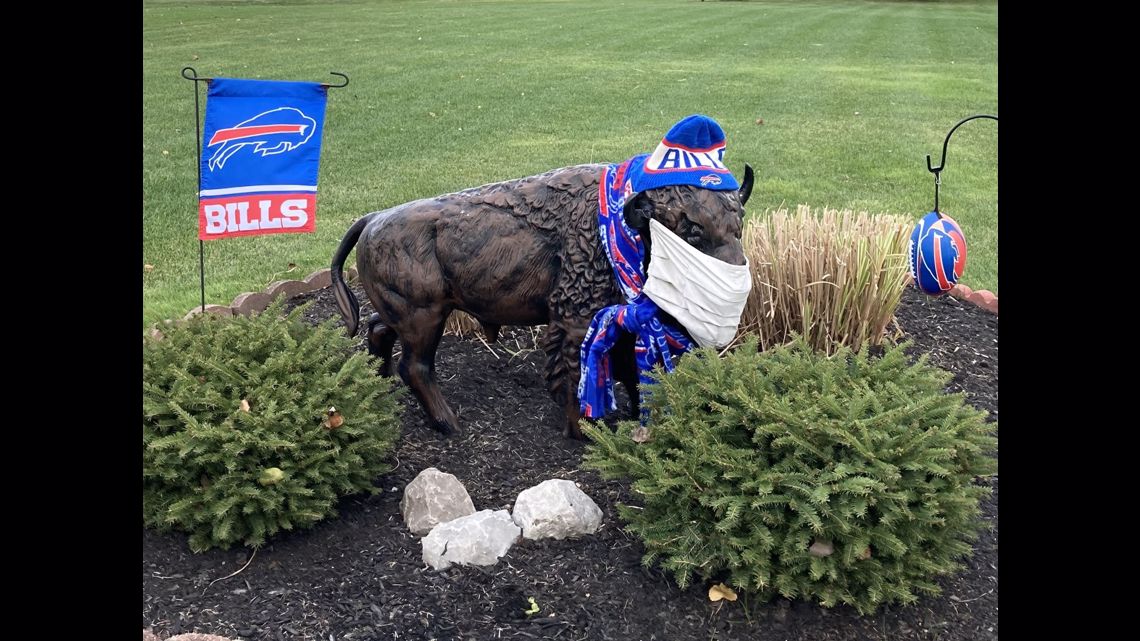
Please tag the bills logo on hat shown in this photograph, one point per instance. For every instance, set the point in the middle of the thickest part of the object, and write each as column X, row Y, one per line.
column 937, row 253
column 673, row 156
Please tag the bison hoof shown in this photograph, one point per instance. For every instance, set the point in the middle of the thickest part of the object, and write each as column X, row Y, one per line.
column 573, row 431
column 445, row 428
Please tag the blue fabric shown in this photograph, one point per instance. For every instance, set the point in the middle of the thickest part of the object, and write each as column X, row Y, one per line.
column 692, row 153
column 656, row 343
column 264, row 134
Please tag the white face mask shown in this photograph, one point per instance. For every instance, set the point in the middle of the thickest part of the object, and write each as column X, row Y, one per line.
column 704, row 294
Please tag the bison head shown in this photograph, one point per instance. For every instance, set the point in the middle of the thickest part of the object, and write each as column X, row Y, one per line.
column 711, row 221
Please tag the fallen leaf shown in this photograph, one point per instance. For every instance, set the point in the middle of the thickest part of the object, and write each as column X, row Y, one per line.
column 821, row 549
column 640, row 434
column 271, row 476
column 148, row 268
column 194, row 57
column 334, row 420
column 721, row 591
column 759, row 121
column 244, row 405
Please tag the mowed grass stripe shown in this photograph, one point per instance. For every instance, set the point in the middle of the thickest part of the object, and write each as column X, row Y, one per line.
column 602, row 81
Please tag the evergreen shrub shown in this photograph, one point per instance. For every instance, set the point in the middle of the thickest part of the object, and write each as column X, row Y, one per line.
column 843, row 479
column 238, row 438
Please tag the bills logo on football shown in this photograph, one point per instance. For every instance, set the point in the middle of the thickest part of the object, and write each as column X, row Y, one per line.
column 937, row 253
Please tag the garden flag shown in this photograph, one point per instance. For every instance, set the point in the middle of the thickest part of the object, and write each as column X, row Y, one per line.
column 260, row 154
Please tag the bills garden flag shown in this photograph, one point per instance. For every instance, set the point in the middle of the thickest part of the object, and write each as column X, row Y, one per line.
column 260, row 153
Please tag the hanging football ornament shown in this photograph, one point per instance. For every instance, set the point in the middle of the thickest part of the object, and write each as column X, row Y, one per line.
column 937, row 253
column 937, row 244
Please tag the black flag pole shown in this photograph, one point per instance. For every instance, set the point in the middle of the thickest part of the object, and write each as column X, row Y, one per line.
column 193, row 75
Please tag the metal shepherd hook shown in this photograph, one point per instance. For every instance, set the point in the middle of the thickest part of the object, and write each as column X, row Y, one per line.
column 937, row 171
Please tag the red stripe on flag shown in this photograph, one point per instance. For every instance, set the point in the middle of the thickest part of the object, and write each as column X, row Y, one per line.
column 235, row 133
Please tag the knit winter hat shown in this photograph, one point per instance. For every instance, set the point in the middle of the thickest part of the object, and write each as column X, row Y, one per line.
column 692, row 153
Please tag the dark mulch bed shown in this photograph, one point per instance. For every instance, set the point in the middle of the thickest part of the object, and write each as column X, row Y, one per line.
column 361, row 576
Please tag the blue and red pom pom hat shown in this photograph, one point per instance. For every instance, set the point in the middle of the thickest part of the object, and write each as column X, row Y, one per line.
column 692, row 153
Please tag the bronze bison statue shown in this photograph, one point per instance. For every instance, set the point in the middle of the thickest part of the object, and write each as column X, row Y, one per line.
column 520, row 252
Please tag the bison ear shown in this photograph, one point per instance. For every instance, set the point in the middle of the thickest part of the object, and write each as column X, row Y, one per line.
column 746, row 188
column 638, row 212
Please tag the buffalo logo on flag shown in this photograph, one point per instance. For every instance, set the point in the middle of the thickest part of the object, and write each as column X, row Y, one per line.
column 273, row 132
column 260, row 157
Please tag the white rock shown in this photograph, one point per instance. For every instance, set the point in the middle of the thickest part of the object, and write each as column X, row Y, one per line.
column 479, row 539
column 556, row 509
column 434, row 497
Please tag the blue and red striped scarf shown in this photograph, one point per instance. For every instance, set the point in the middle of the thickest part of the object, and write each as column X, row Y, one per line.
column 657, row 343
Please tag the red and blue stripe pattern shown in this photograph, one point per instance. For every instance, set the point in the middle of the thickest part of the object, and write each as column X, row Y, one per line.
column 937, row 253
column 656, row 343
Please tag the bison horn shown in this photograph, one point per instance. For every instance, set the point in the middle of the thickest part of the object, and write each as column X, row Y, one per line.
column 746, row 188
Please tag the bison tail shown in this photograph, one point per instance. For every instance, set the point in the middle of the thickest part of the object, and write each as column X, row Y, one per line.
column 345, row 300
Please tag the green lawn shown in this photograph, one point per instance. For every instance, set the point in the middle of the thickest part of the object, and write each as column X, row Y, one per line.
column 446, row 95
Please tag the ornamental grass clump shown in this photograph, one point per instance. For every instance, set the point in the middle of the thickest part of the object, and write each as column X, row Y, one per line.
column 256, row 425
column 835, row 277
column 462, row 324
column 842, row 479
